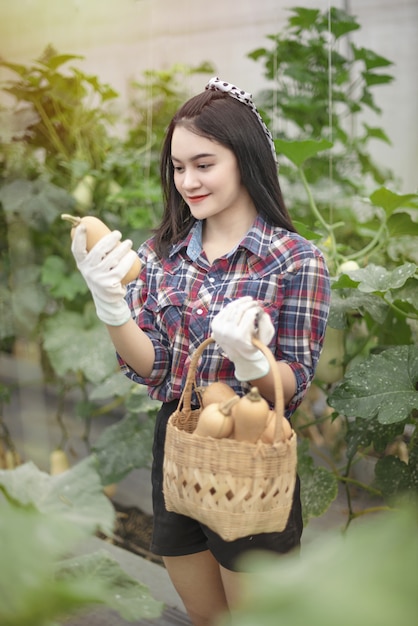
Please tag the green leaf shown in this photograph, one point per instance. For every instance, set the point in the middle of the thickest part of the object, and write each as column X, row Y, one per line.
column 61, row 284
column 382, row 386
column 37, row 587
column 306, row 232
column 303, row 18
column 120, row 592
column 19, row 69
column 371, row 78
column 370, row 58
column 376, row 279
column 340, row 22
column 31, row 543
column 376, row 133
column 139, row 401
column 55, row 61
column 407, row 294
column 38, row 202
column 366, row 576
column 76, row 495
column 389, row 200
column 319, row 487
column 348, row 300
column 362, row 433
column 401, row 223
column 73, row 347
column 300, row 151
column 123, row 447
column 115, row 386
column 396, row 478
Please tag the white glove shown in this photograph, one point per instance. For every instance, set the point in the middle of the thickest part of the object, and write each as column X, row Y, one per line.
column 233, row 329
column 103, row 269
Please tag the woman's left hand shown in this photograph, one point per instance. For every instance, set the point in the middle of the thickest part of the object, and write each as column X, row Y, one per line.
column 233, row 329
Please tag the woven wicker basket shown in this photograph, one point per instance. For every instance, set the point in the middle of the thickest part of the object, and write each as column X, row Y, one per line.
column 233, row 487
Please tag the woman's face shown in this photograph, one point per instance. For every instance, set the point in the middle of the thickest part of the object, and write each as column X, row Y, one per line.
column 206, row 175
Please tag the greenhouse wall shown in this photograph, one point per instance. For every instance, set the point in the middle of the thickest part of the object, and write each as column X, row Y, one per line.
column 121, row 38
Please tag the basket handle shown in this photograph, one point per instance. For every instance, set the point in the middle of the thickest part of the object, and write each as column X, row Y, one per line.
column 186, row 397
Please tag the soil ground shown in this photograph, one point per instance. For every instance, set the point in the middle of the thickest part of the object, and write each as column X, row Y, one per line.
column 133, row 531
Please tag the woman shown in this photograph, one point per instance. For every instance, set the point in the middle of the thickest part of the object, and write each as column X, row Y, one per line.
column 225, row 258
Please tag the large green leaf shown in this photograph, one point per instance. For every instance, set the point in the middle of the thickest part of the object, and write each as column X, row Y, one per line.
column 362, row 433
column 382, row 386
column 123, row 447
column 367, row 576
column 116, row 385
column 319, row 487
column 389, row 200
column 73, row 346
column 401, row 223
column 76, row 495
column 395, row 478
column 299, row 151
column 62, row 284
column 120, row 591
column 375, row 278
column 38, row 202
column 30, row 544
column 346, row 301
column 36, row 586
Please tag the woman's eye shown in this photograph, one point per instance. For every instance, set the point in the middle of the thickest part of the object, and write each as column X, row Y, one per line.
column 178, row 168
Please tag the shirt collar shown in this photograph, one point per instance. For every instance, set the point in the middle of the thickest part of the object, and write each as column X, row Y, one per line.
column 257, row 240
column 259, row 237
column 192, row 242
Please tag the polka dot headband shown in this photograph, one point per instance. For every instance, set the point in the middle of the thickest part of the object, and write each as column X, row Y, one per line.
column 215, row 84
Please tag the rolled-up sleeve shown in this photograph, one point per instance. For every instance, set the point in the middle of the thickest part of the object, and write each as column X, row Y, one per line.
column 140, row 304
column 303, row 320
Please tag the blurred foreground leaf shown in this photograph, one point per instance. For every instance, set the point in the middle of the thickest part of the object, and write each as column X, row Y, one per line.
column 76, row 495
column 121, row 592
column 34, row 590
column 367, row 576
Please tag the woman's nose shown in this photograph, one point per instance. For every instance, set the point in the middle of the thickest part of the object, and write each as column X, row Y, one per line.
column 190, row 180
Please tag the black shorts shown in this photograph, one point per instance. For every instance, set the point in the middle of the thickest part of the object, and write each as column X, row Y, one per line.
column 178, row 535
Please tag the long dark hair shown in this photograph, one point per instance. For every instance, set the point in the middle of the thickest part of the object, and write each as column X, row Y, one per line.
column 218, row 116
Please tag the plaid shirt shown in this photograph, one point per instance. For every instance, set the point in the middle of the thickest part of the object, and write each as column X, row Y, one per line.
column 175, row 299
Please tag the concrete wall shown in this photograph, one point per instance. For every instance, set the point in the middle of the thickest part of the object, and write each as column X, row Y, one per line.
column 121, row 38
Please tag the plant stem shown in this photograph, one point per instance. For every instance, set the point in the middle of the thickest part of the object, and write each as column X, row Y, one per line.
column 356, row 483
column 374, row 244
column 313, row 206
column 371, row 509
column 411, row 316
column 59, row 146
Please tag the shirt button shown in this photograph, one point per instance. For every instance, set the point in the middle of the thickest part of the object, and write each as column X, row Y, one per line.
column 199, row 311
column 211, row 279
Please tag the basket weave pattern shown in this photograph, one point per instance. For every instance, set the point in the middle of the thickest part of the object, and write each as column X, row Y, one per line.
column 234, row 487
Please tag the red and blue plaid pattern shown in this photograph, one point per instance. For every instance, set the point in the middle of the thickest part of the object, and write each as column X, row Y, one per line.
column 175, row 299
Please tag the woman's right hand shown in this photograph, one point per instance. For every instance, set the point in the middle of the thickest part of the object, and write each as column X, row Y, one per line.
column 103, row 269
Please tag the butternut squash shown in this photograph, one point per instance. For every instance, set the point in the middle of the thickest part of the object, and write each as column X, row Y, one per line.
column 250, row 416
column 96, row 230
column 58, row 462
column 269, row 433
column 215, row 392
column 216, row 420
